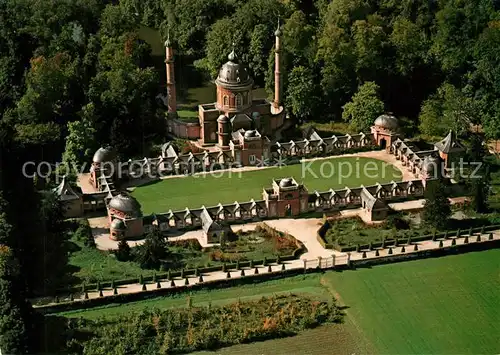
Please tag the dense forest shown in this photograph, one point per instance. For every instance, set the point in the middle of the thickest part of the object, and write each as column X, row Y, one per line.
column 75, row 75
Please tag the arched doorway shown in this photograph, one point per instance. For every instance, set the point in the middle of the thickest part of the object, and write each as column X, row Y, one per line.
column 383, row 143
column 288, row 210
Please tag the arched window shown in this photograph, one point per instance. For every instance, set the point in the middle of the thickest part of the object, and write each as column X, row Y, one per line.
column 226, row 100
column 239, row 100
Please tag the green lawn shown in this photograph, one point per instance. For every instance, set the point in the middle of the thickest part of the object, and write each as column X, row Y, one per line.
column 310, row 286
column 444, row 305
column 92, row 264
column 227, row 187
column 447, row 305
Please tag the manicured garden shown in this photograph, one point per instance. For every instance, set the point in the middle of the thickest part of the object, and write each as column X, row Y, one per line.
column 229, row 186
column 353, row 231
column 91, row 265
column 241, row 246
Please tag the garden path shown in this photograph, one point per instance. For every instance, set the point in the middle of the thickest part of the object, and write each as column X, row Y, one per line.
column 295, row 264
column 303, row 229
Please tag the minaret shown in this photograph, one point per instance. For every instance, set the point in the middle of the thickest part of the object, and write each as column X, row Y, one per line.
column 169, row 62
column 277, row 72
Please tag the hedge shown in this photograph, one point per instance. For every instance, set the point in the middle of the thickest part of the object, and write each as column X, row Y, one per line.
column 255, row 278
column 424, row 237
column 156, row 292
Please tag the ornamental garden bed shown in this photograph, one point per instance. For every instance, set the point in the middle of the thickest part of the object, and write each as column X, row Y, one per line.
column 345, row 234
column 240, row 246
column 89, row 265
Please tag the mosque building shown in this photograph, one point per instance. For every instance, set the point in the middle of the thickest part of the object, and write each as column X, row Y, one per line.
column 237, row 122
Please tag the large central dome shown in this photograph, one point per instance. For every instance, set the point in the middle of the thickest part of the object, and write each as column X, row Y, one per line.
column 233, row 74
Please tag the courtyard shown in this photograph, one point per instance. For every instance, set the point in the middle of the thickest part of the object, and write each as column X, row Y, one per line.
column 243, row 184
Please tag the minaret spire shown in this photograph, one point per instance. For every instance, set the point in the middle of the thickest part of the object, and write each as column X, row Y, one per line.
column 169, row 62
column 277, row 72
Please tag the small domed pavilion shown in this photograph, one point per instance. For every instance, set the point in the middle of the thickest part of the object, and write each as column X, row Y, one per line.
column 125, row 217
column 385, row 130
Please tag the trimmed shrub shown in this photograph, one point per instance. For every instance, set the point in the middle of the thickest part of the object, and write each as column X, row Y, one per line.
column 390, row 251
column 415, row 247
column 377, row 252
column 278, row 260
column 242, row 272
column 83, row 233
column 237, row 264
column 169, row 275
column 490, row 236
column 403, row 250
column 144, row 287
column 466, row 240
column 228, row 275
column 172, row 283
column 123, row 253
column 358, row 248
column 256, row 272
column 478, row 238
column 200, row 279
column 482, row 229
column 86, row 295
column 283, row 268
column 115, row 291
column 440, row 243
column 454, row 241
column 158, row 284
column 364, row 255
column 269, row 269
column 186, row 281
column 100, row 293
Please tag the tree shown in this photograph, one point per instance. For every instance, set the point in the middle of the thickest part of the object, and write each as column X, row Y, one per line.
column 300, row 97
column 123, row 252
column 153, row 251
column 437, row 210
column 80, row 139
column 480, row 181
column 364, row 107
column 449, row 109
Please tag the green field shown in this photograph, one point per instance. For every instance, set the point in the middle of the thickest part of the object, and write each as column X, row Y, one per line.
column 227, row 187
column 444, row 305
